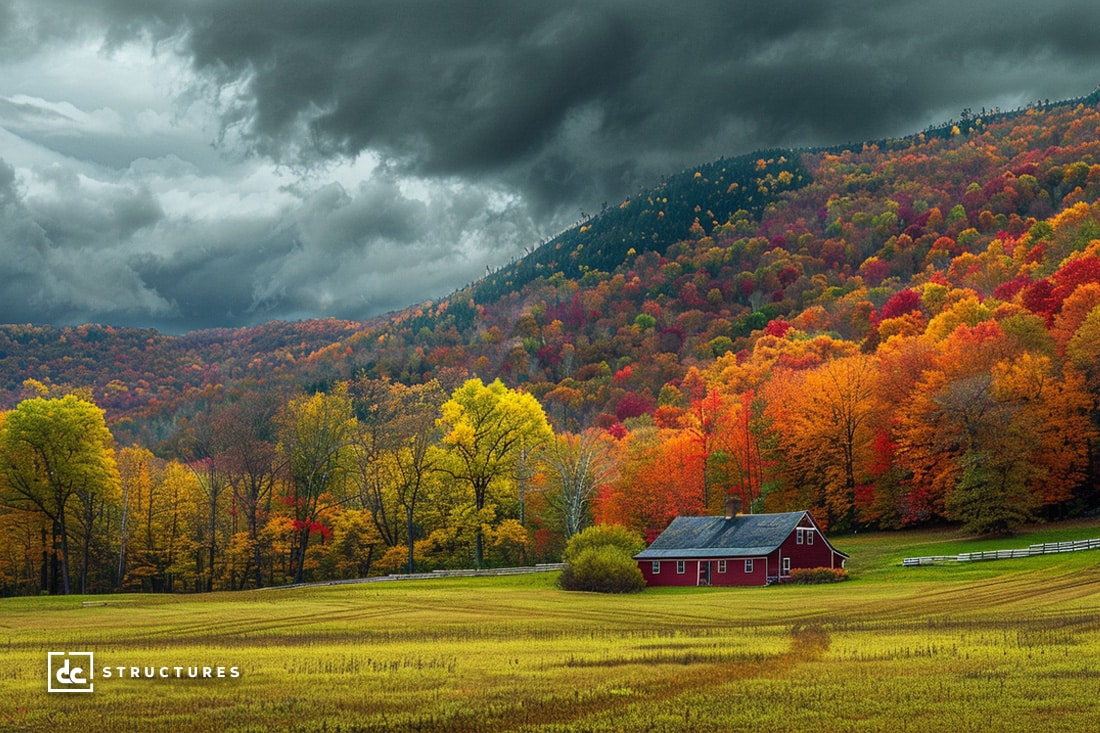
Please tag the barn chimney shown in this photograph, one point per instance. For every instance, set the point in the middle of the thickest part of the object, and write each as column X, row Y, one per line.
column 733, row 507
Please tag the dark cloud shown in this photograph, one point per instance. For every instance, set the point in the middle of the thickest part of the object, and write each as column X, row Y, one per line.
column 492, row 124
column 571, row 101
column 54, row 272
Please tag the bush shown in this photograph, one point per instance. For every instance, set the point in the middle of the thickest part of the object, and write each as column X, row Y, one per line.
column 602, row 569
column 816, row 576
column 612, row 535
column 601, row 559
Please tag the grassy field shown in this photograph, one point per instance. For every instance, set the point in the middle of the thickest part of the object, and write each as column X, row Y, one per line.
column 1011, row 645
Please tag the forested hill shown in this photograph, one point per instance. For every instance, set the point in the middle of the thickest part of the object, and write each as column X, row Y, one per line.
column 948, row 261
column 897, row 333
column 731, row 189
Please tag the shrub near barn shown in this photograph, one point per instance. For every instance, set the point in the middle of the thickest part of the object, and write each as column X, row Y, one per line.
column 601, row 559
column 817, row 576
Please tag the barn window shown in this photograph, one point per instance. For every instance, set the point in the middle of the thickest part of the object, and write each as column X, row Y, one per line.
column 786, row 566
column 721, row 566
column 809, row 537
column 798, row 535
column 680, row 567
column 748, row 566
column 656, row 567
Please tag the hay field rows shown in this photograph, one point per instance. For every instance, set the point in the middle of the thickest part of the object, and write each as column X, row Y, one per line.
column 1010, row 645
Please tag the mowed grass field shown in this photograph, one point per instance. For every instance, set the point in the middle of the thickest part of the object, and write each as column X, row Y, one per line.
column 1011, row 645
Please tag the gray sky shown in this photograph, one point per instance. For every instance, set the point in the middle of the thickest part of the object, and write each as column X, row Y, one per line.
column 207, row 163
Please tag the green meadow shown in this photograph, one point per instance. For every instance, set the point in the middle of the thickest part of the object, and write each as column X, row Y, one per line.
column 1011, row 645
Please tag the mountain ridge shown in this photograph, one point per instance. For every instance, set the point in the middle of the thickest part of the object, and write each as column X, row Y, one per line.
column 775, row 220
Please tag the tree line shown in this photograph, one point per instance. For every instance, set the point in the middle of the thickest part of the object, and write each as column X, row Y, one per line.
column 369, row 476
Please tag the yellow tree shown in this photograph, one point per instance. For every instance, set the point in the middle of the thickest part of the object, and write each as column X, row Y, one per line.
column 136, row 466
column 24, row 552
column 487, row 429
column 163, row 510
column 57, row 457
column 415, row 454
column 178, row 525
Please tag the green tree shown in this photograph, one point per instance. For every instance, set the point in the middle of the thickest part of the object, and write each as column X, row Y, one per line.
column 991, row 496
column 57, row 457
column 486, row 430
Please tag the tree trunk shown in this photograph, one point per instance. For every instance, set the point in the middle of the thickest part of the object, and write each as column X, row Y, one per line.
column 213, row 542
column 257, row 558
column 61, row 529
column 409, row 535
column 300, row 561
column 45, row 562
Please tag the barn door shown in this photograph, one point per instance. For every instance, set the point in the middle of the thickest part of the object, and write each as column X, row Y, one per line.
column 704, row 573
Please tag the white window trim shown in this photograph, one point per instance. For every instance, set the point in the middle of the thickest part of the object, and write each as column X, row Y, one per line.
column 656, row 567
column 721, row 566
column 748, row 566
column 681, row 567
column 786, row 566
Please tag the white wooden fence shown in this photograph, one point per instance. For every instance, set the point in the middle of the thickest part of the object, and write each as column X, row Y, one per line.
column 1047, row 548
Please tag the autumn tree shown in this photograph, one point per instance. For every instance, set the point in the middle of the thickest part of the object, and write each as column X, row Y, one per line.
column 988, row 448
column 486, row 430
column 250, row 464
column 57, row 457
column 575, row 467
column 706, row 423
column 415, row 455
column 201, row 443
column 162, row 524
column 727, row 429
column 377, row 411
column 136, row 466
column 1083, row 352
column 824, row 419
column 316, row 438
column 659, row 477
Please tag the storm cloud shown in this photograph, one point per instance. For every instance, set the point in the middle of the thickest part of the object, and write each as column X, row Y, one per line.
column 213, row 163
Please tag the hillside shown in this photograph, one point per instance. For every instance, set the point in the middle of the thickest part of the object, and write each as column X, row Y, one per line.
column 835, row 243
column 711, row 254
column 904, row 332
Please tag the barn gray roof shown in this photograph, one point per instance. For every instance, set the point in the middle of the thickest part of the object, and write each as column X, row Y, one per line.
column 745, row 535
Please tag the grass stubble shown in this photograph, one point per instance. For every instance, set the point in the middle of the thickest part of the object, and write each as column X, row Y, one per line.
column 1010, row 645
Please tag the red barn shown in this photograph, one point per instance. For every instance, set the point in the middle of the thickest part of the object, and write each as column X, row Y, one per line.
column 746, row 549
